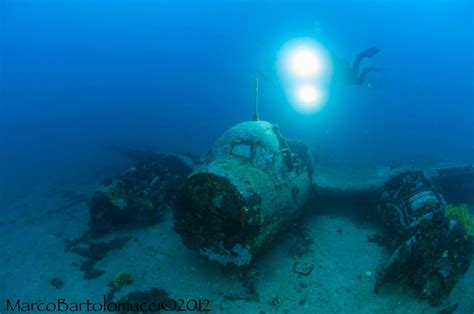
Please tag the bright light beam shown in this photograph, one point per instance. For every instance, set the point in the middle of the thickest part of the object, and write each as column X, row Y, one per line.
column 304, row 59
column 308, row 94
column 308, row 98
column 305, row 69
column 304, row 62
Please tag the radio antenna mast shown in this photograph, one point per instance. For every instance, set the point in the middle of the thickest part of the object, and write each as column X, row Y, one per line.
column 256, row 116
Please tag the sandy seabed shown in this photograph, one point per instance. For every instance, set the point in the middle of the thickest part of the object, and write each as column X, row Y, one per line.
column 334, row 275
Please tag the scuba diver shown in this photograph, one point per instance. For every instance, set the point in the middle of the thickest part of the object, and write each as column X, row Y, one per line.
column 353, row 75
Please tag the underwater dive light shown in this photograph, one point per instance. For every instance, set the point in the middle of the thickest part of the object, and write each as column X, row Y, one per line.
column 308, row 98
column 303, row 59
column 304, row 62
column 308, row 95
column 304, row 66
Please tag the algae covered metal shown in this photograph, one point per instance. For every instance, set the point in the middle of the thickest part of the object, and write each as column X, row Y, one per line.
column 252, row 184
column 140, row 195
column 430, row 246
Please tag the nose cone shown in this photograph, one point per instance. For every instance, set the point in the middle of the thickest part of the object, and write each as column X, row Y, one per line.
column 211, row 217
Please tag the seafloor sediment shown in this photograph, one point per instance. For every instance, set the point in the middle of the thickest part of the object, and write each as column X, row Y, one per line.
column 324, row 264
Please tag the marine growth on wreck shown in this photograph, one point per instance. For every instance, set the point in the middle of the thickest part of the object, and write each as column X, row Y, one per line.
column 251, row 186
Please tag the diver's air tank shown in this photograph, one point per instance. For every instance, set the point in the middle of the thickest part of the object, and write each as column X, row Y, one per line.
column 251, row 186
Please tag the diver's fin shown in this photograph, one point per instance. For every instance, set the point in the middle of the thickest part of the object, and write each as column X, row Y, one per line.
column 369, row 52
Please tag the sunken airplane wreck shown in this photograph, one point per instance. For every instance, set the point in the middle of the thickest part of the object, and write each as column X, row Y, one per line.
column 251, row 185
column 254, row 183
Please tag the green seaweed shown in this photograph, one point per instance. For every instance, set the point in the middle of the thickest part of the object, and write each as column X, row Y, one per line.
column 119, row 196
column 461, row 212
column 143, row 202
column 122, row 279
column 114, row 193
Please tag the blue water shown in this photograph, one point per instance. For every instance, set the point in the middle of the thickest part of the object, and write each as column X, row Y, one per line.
column 172, row 76
column 81, row 78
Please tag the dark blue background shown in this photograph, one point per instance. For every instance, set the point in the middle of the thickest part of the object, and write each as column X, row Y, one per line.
column 172, row 75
